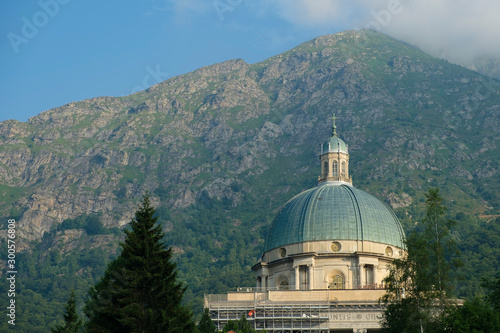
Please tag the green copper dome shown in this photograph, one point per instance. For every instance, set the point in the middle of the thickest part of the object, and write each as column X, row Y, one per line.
column 334, row 212
column 334, row 144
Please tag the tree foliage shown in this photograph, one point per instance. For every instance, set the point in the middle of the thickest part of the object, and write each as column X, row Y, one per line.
column 72, row 321
column 418, row 285
column 207, row 237
column 240, row 326
column 474, row 316
column 206, row 324
column 493, row 296
column 441, row 248
column 139, row 291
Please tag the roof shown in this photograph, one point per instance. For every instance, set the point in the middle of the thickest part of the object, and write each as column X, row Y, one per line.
column 334, row 212
column 334, row 144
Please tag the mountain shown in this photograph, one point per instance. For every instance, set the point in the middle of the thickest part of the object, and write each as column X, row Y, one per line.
column 224, row 127
column 487, row 65
column 222, row 148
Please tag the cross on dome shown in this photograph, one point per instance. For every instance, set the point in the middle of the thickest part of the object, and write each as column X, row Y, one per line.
column 334, row 127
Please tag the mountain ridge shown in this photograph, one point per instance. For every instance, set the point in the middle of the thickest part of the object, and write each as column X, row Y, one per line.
column 222, row 148
column 250, row 113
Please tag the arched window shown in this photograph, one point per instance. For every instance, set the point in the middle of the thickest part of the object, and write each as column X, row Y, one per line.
column 283, row 284
column 343, row 169
column 336, row 282
column 335, row 169
column 325, row 169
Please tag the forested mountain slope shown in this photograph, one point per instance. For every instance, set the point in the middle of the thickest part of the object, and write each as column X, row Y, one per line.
column 222, row 148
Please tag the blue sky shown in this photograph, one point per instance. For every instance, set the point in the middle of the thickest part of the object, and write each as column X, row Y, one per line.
column 58, row 51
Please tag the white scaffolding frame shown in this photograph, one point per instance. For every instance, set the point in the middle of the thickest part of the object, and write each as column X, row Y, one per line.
column 274, row 316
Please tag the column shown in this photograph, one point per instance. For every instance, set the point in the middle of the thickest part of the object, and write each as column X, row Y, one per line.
column 375, row 281
column 361, row 276
column 296, row 275
column 310, row 276
column 264, row 282
column 348, row 278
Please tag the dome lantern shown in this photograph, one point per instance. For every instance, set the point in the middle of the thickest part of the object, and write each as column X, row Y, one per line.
column 334, row 159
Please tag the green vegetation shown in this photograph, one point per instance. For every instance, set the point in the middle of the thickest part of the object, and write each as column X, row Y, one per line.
column 240, row 326
column 72, row 321
column 65, row 259
column 411, row 122
column 419, row 285
column 206, row 324
column 139, row 291
column 45, row 274
column 474, row 316
column 90, row 223
column 214, row 254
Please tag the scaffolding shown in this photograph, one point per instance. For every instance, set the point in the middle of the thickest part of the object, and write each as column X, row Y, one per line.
column 277, row 312
column 277, row 317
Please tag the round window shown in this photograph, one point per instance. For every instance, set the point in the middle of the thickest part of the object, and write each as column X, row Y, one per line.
column 335, row 246
column 283, row 252
column 388, row 251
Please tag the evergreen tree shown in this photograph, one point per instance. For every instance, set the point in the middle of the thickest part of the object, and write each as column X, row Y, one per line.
column 239, row 326
column 72, row 322
column 139, row 291
column 206, row 324
column 418, row 284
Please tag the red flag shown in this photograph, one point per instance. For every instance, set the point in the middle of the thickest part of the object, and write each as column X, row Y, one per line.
column 251, row 313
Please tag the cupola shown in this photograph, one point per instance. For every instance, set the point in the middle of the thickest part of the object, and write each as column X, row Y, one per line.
column 335, row 159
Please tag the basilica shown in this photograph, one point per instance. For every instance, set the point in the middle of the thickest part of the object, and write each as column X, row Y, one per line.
column 324, row 261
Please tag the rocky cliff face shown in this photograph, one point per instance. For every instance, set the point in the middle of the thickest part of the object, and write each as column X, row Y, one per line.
column 233, row 131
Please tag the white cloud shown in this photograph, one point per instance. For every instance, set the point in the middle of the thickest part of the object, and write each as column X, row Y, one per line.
column 457, row 30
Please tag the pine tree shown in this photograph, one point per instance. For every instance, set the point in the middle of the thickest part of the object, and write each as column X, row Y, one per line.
column 239, row 326
column 139, row 291
column 206, row 325
column 72, row 322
